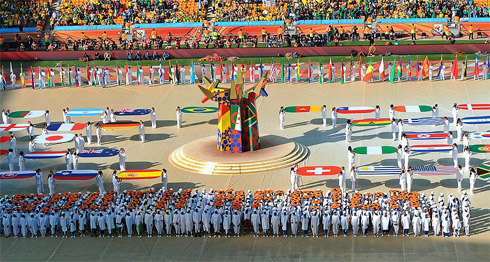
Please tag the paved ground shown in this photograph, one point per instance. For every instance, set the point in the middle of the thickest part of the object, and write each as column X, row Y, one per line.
column 327, row 148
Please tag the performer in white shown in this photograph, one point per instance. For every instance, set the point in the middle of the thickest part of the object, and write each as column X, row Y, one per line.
column 153, row 118
column 324, row 115
column 142, row 131
column 178, row 114
column 282, row 115
column 122, row 159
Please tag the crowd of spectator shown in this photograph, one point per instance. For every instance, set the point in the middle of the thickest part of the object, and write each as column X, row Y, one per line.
column 108, row 12
column 24, row 13
column 245, row 10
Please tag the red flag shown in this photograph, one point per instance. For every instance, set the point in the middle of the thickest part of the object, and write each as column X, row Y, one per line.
column 309, row 71
column 88, row 72
column 454, row 68
column 32, row 78
column 425, row 68
column 329, row 67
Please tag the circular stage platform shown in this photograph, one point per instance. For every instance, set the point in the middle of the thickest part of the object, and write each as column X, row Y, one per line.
column 202, row 156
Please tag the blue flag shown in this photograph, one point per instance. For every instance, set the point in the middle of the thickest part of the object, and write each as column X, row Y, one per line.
column 193, row 73
column 289, row 72
column 261, row 69
column 76, row 76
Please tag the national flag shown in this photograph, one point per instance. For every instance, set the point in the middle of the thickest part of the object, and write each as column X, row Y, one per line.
column 417, row 68
column 392, row 73
column 76, row 77
column 425, row 68
column 177, row 73
column 440, row 68
column 32, row 78
column 212, row 72
column 69, row 76
column 222, row 75
column 309, row 71
column 409, row 69
column 251, row 73
column 382, row 70
column 454, row 68
column 488, row 67
column 476, row 72
column 11, row 69
column 320, row 73
column 400, row 69
column 61, row 74
column 261, row 69
column 299, row 73
column 117, row 74
column 360, row 65
column 330, row 73
column 49, row 77
column 342, row 73
column 149, row 74
column 93, row 74
column 193, row 72
column 88, row 72
column 351, row 72
column 170, row 77
column 138, row 73
column 22, row 77
column 369, row 71
column 282, row 70
column 465, row 73
column 289, row 72
column 4, row 82
column 40, row 82
column 232, row 71
column 271, row 71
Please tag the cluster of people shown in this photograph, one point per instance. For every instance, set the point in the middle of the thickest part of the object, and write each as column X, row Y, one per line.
column 111, row 12
column 233, row 213
column 24, row 13
column 227, row 10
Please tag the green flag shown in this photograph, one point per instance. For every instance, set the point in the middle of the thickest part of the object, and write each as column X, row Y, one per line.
column 320, row 73
column 69, row 76
column 138, row 73
column 212, row 71
column 392, row 73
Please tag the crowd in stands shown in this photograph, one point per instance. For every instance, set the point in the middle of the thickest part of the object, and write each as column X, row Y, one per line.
column 109, row 12
column 24, row 13
column 228, row 10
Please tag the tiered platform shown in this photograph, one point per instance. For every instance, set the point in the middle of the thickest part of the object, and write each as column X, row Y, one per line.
column 202, row 156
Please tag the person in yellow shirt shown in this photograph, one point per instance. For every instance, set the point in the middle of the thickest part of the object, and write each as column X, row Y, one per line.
column 414, row 32
column 264, row 34
column 470, row 32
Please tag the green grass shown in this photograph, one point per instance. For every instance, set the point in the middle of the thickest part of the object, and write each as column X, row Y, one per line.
column 245, row 60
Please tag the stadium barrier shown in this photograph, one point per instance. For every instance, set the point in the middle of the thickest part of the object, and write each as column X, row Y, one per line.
column 257, row 52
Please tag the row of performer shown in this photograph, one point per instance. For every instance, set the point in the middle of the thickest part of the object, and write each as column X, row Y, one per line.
column 228, row 213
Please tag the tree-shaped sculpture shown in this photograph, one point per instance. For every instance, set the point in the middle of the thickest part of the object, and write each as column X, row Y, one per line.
column 238, row 129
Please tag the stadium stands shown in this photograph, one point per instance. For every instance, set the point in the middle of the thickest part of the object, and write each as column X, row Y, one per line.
column 24, row 13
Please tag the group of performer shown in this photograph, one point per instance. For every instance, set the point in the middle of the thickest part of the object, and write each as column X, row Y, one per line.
column 226, row 213
column 224, row 73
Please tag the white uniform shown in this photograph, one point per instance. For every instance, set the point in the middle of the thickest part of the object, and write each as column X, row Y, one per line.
column 348, row 133
column 178, row 115
column 22, row 163
column 98, row 133
column 164, row 180
column 454, row 112
column 51, row 185
column 399, row 156
column 454, row 154
column 153, row 119
column 403, row 180
column 324, row 117
column 394, row 129
column 142, row 132
column 409, row 180
column 100, row 184
column 122, row 161
column 342, row 180
column 353, row 179
column 39, row 183
column 467, row 154
column 48, row 118
column 88, row 130
column 459, row 178
column 282, row 115
column 473, row 177
column 294, row 180
column 10, row 158
column 334, row 119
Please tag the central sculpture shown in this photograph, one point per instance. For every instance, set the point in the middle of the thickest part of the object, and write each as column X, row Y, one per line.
column 238, row 129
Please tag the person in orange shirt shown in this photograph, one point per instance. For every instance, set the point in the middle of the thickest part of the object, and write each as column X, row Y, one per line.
column 445, row 32
column 206, row 23
column 104, row 35
column 206, row 33
column 264, row 34
column 153, row 35
column 414, row 32
column 240, row 34
column 280, row 32
column 46, row 39
column 470, row 32
column 366, row 32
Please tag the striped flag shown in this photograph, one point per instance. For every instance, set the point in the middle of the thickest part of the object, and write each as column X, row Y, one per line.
column 61, row 74
column 170, row 77
column 4, row 82
column 440, row 69
column 409, row 69
column 309, row 71
column 22, row 77
column 32, row 78
column 476, row 72
column 342, row 73
column 299, row 72
column 433, row 170
column 369, row 71
column 76, row 77
column 93, row 74
column 49, row 77
column 417, row 68
column 382, row 70
column 138, row 73
column 69, row 76
column 378, row 170
column 88, row 72
column 392, row 73
column 320, row 73
column 261, row 69
column 271, row 71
